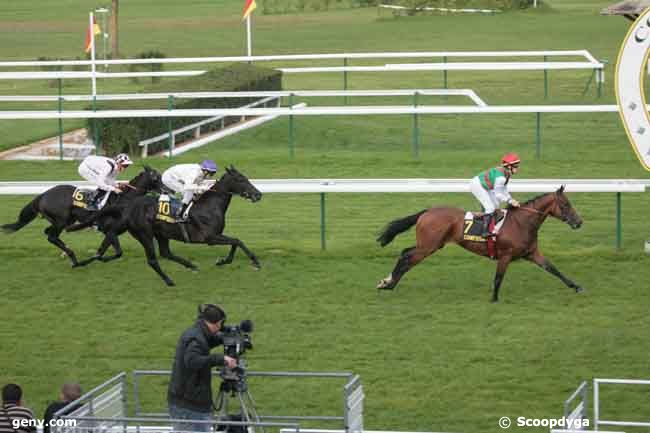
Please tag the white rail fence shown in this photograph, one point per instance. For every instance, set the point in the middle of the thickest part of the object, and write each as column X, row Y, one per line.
column 325, row 186
column 589, row 63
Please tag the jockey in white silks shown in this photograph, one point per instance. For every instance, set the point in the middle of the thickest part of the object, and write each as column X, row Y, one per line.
column 188, row 180
column 102, row 172
column 491, row 187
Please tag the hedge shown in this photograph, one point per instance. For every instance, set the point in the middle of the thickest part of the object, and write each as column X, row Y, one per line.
column 123, row 134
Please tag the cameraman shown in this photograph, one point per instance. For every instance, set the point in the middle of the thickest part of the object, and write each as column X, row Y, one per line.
column 189, row 395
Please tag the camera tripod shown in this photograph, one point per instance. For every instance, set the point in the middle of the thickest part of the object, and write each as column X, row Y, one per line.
column 233, row 385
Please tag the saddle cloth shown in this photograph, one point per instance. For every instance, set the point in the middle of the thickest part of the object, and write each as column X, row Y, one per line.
column 168, row 208
column 474, row 227
column 84, row 198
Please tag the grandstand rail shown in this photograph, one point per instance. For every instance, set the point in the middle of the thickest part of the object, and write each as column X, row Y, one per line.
column 325, row 186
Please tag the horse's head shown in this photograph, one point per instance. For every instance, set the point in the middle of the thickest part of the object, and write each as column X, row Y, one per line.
column 236, row 183
column 563, row 210
column 148, row 179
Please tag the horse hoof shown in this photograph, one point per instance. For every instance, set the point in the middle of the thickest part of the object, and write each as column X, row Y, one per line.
column 495, row 300
column 385, row 284
column 221, row 262
column 257, row 266
column 170, row 283
column 194, row 270
column 579, row 289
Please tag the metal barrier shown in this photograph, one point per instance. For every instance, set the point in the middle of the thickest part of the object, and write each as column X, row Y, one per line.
column 576, row 412
column 353, row 397
column 103, row 407
column 597, row 420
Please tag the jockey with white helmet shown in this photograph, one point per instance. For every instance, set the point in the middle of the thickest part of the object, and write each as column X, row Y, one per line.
column 188, row 180
column 491, row 186
column 103, row 171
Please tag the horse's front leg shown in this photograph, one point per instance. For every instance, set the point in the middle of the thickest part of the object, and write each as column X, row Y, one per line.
column 537, row 258
column 502, row 266
column 221, row 239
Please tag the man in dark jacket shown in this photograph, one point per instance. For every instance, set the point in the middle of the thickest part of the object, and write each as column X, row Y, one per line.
column 69, row 393
column 189, row 395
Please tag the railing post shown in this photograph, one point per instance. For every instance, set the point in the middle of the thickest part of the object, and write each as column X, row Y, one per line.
column 291, row 127
column 322, row 221
column 60, row 123
column 416, row 132
column 170, row 107
column 618, row 221
column 444, row 72
column 545, row 79
column 95, row 126
column 345, row 80
column 538, row 142
column 596, row 405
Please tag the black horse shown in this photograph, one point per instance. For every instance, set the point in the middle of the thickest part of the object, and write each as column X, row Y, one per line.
column 56, row 205
column 207, row 219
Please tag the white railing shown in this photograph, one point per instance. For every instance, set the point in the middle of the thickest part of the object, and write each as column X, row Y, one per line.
column 324, row 186
column 384, row 185
column 332, row 56
column 597, row 420
column 171, row 136
column 312, row 111
column 257, row 94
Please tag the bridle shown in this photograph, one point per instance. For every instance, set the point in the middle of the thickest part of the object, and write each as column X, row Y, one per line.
column 556, row 203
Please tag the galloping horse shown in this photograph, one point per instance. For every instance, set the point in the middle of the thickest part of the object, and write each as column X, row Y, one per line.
column 56, row 205
column 207, row 220
column 517, row 238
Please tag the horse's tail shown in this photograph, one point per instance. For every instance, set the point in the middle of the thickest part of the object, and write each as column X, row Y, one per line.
column 27, row 215
column 396, row 227
column 106, row 212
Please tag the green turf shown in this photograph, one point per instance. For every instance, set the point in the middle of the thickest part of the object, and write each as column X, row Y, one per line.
column 435, row 355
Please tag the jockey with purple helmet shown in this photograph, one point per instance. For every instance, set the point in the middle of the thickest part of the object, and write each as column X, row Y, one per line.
column 188, row 180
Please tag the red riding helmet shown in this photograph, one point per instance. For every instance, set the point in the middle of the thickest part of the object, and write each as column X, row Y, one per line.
column 510, row 159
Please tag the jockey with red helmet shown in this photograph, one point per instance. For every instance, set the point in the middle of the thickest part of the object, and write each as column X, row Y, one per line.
column 491, row 186
column 188, row 180
column 103, row 171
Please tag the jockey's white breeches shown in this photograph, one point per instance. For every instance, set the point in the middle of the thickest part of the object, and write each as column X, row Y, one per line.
column 175, row 185
column 487, row 198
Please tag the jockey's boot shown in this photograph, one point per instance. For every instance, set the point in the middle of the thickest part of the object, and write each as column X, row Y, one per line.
column 486, row 225
column 97, row 199
column 184, row 213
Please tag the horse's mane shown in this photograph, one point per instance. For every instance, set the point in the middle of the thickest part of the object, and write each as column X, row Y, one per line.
column 532, row 200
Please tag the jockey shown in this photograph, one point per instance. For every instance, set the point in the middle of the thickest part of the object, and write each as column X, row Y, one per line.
column 103, row 171
column 491, row 187
column 188, row 180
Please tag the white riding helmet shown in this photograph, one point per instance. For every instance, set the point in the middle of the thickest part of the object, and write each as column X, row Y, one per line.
column 123, row 159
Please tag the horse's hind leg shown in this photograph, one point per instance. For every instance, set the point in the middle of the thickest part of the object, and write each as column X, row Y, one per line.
column 234, row 243
column 147, row 242
column 545, row 264
column 53, row 233
column 406, row 261
column 163, row 246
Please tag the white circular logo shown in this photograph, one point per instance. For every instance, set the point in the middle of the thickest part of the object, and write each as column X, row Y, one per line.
column 504, row 422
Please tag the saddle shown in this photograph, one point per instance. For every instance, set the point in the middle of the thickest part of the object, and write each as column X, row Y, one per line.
column 474, row 225
column 85, row 198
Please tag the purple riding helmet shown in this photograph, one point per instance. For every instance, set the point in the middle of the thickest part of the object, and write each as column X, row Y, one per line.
column 209, row 165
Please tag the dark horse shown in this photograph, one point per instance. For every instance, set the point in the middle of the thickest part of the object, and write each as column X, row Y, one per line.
column 56, row 206
column 517, row 238
column 207, row 220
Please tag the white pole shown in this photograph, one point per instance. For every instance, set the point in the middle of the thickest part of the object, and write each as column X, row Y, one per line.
column 93, row 67
column 535, row 3
column 248, row 34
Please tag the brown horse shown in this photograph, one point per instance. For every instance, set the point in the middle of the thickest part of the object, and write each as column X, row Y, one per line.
column 517, row 238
